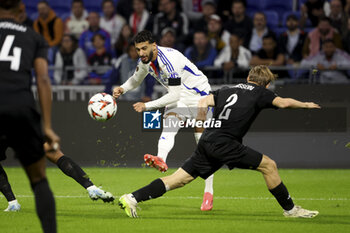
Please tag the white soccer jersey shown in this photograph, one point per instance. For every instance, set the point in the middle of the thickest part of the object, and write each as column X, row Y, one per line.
column 175, row 72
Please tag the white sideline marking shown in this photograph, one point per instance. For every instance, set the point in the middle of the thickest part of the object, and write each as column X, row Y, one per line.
column 215, row 197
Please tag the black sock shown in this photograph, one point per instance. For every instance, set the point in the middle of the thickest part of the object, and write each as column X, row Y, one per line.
column 5, row 186
column 45, row 206
column 282, row 196
column 153, row 190
column 70, row 168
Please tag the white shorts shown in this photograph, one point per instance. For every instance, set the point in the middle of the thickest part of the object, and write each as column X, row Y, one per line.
column 186, row 107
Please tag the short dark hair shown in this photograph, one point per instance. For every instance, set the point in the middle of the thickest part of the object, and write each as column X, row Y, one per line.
column 260, row 13
column 9, row 4
column 244, row 3
column 144, row 36
column 292, row 17
column 44, row 1
column 324, row 18
column 94, row 12
column 236, row 35
column 270, row 36
column 78, row 1
column 105, row 1
column 201, row 31
column 98, row 35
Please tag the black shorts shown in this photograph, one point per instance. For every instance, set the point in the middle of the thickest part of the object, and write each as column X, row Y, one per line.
column 211, row 156
column 20, row 129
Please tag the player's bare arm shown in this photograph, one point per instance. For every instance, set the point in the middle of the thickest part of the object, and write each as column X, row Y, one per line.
column 203, row 105
column 292, row 103
column 44, row 90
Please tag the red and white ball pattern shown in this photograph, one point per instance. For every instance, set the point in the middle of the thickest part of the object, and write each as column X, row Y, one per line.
column 102, row 107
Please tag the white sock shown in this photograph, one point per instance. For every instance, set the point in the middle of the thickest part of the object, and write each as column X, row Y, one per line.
column 13, row 202
column 292, row 210
column 92, row 187
column 197, row 136
column 132, row 198
column 167, row 140
column 209, row 185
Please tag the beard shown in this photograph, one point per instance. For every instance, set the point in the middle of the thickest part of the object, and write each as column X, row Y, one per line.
column 329, row 56
column 150, row 58
column 324, row 32
column 292, row 28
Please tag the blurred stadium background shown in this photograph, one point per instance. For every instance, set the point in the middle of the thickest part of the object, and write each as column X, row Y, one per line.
column 304, row 139
column 295, row 139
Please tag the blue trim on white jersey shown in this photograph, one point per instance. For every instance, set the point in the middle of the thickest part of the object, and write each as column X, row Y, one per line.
column 168, row 62
column 202, row 93
column 169, row 66
column 191, row 71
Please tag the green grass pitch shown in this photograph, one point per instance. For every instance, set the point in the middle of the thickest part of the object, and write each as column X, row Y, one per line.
column 241, row 203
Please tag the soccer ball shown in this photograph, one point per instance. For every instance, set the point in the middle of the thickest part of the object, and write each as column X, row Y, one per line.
column 102, row 107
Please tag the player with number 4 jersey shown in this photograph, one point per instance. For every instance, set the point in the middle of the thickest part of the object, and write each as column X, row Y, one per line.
column 21, row 49
column 236, row 107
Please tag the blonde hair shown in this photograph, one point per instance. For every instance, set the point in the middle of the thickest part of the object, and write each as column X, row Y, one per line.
column 261, row 75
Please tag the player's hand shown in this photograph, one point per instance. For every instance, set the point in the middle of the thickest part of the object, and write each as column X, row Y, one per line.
column 311, row 105
column 118, row 91
column 202, row 114
column 139, row 107
column 333, row 67
column 52, row 139
column 320, row 66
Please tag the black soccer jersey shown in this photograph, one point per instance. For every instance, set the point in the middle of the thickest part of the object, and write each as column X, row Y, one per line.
column 236, row 108
column 19, row 47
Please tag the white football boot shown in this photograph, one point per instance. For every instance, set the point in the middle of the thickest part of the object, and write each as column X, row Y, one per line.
column 128, row 203
column 13, row 206
column 96, row 193
column 298, row 212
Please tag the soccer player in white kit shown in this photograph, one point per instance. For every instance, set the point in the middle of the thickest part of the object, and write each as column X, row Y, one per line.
column 186, row 85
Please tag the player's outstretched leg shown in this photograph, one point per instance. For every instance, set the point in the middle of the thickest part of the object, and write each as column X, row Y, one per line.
column 71, row 169
column 5, row 188
column 155, row 189
column 44, row 200
column 165, row 145
column 273, row 181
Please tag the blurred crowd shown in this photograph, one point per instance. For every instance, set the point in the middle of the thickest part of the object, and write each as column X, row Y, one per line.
column 227, row 35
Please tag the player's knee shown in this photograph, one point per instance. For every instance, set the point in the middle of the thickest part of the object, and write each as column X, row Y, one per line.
column 267, row 166
column 271, row 166
column 36, row 171
column 54, row 156
column 35, row 177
